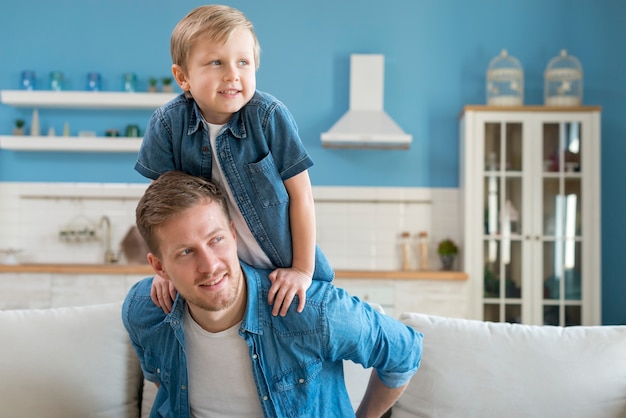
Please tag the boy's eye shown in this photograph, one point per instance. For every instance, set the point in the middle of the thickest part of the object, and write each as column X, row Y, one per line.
column 215, row 62
column 243, row 62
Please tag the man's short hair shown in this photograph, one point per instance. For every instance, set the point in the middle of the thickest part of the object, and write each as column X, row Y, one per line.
column 172, row 193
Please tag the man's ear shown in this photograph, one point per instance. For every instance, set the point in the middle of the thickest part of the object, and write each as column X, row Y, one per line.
column 157, row 266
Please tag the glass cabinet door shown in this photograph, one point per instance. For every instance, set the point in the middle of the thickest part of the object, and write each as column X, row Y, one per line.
column 561, row 223
column 502, row 245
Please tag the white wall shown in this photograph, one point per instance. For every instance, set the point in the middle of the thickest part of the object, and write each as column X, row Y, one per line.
column 358, row 227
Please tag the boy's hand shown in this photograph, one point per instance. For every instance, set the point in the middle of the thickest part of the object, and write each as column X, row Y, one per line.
column 163, row 293
column 286, row 284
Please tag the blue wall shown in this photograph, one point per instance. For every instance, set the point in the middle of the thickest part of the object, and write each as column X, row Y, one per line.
column 436, row 53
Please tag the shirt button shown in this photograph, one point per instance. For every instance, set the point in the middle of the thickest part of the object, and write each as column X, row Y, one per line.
column 183, row 387
column 254, row 356
column 301, row 380
column 158, row 371
column 205, row 149
column 265, row 398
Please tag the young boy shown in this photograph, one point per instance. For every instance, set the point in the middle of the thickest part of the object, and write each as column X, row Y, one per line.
column 224, row 130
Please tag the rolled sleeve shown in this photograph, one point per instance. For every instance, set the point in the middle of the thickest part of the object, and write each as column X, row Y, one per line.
column 372, row 339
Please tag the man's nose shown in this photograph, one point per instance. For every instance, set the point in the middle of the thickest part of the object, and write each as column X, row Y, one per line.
column 207, row 261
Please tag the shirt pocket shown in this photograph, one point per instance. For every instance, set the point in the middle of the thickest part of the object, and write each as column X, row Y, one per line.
column 267, row 183
column 297, row 389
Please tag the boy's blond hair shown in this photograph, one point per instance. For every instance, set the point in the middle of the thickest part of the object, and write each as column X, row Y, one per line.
column 214, row 22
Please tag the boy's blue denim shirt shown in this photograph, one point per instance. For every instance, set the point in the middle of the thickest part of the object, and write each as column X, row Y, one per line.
column 258, row 149
column 296, row 359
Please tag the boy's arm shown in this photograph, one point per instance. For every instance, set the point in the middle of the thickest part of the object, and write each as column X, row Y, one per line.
column 302, row 215
column 286, row 283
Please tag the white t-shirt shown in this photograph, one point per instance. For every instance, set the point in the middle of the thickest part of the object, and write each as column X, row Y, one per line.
column 247, row 247
column 220, row 373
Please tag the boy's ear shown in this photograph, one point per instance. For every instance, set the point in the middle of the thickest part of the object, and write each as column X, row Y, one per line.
column 157, row 266
column 180, row 77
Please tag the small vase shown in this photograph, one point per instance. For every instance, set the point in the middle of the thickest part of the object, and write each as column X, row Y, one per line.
column 34, row 124
column 447, row 261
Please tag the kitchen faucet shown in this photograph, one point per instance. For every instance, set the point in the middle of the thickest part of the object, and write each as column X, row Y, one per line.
column 109, row 256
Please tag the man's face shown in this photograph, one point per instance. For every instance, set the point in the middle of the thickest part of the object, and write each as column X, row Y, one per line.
column 199, row 255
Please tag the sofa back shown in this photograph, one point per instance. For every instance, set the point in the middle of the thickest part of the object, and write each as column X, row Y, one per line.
column 68, row 362
column 482, row 369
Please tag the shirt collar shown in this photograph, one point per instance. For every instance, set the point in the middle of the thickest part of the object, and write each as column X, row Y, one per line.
column 235, row 124
column 252, row 318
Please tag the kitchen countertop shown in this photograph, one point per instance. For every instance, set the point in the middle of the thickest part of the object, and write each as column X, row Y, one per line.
column 147, row 270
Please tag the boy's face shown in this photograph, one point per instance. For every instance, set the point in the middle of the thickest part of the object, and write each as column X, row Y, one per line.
column 220, row 76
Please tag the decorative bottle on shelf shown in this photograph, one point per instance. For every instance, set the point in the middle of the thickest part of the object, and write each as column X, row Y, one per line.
column 422, row 245
column 405, row 248
column 34, row 124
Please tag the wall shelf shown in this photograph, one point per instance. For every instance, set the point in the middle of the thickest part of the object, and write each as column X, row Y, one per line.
column 78, row 100
column 84, row 99
column 77, row 144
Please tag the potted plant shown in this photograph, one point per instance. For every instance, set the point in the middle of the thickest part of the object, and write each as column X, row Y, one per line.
column 447, row 250
column 167, row 84
column 19, row 127
column 152, row 85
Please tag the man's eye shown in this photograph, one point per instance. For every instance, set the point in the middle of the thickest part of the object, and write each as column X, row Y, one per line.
column 186, row 251
column 215, row 62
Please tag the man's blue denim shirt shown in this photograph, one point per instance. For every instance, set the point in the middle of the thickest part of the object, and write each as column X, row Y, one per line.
column 258, row 149
column 296, row 359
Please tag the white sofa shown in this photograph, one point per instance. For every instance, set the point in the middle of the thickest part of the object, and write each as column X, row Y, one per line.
column 78, row 362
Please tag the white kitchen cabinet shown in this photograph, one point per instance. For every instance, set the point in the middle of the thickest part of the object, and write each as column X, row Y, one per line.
column 78, row 100
column 448, row 297
column 530, row 196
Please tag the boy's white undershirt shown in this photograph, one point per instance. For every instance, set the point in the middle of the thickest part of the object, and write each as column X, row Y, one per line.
column 220, row 373
column 247, row 247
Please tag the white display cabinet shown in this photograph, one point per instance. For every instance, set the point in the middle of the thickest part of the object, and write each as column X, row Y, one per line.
column 530, row 196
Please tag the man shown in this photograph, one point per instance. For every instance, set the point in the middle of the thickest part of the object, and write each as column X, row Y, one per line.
column 220, row 352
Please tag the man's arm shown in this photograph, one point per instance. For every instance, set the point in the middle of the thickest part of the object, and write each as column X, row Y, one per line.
column 378, row 398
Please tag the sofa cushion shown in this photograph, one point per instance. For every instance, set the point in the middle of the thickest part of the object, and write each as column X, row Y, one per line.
column 480, row 369
column 68, row 362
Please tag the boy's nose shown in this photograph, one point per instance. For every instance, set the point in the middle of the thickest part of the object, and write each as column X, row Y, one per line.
column 232, row 73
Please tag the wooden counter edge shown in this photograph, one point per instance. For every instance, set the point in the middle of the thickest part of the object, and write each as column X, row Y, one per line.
column 147, row 270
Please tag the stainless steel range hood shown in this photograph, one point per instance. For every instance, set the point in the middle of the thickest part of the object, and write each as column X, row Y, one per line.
column 366, row 125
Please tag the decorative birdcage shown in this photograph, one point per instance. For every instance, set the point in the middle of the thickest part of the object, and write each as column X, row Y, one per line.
column 505, row 81
column 563, row 81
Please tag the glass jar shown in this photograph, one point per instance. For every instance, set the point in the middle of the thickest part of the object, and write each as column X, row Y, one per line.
column 405, row 249
column 56, row 80
column 422, row 246
column 94, row 81
column 28, row 80
column 129, row 82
